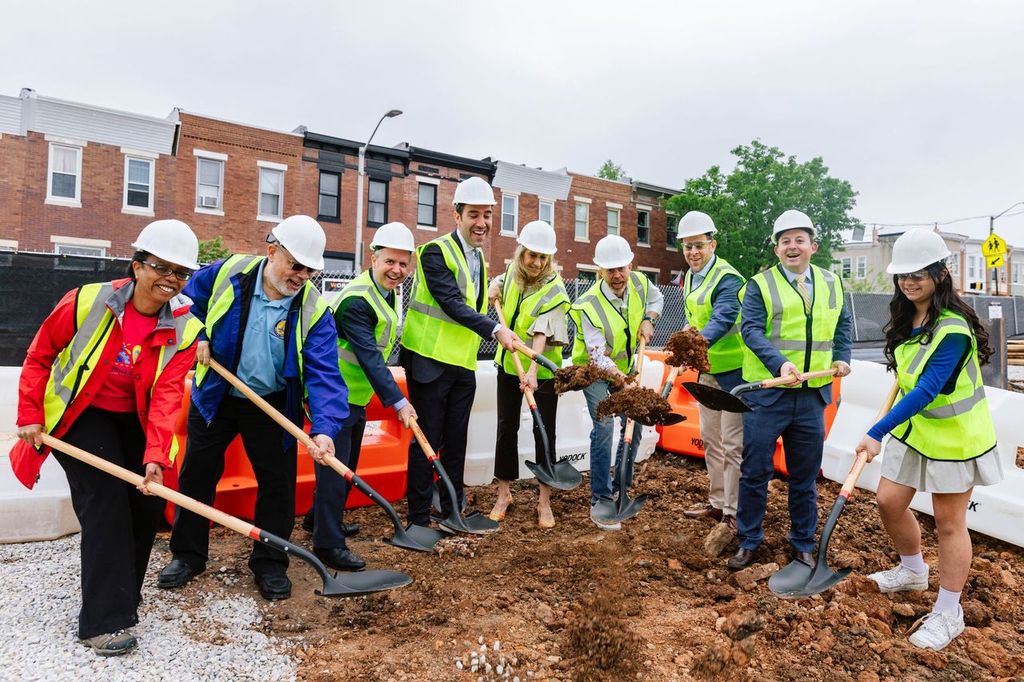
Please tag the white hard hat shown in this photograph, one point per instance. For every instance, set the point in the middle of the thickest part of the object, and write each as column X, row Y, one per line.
column 538, row 236
column 793, row 220
column 393, row 236
column 915, row 250
column 612, row 252
column 171, row 240
column 695, row 223
column 304, row 239
column 474, row 191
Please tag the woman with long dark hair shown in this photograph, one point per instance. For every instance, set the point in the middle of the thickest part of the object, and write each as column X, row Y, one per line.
column 943, row 440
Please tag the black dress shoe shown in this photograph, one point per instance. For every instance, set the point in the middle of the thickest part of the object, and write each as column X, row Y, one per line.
column 349, row 529
column 742, row 559
column 307, row 522
column 176, row 574
column 804, row 557
column 340, row 559
column 274, row 586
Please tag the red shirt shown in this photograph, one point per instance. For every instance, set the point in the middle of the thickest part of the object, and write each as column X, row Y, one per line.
column 117, row 393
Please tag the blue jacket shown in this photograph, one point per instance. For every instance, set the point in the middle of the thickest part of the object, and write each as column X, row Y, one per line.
column 328, row 395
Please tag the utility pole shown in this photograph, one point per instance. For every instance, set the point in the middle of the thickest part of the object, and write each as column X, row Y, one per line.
column 361, row 173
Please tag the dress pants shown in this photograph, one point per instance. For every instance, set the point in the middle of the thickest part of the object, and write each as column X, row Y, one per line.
column 722, row 434
column 510, row 403
column 331, row 488
column 273, row 465
column 443, row 406
column 118, row 522
column 799, row 417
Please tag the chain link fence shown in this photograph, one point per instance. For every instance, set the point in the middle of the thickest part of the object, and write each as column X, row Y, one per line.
column 31, row 284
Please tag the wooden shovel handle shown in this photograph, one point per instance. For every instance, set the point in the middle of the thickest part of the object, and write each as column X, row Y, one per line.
column 422, row 439
column 788, row 379
column 283, row 421
column 630, row 424
column 862, row 458
column 528, row 392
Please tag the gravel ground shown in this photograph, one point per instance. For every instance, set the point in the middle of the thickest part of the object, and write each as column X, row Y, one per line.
column 215, row 637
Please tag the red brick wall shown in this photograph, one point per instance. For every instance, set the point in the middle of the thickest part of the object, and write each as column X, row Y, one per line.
column 12, row 172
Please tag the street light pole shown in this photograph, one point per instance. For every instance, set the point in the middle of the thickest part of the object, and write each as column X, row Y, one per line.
column 991, row 229
column 359, row 190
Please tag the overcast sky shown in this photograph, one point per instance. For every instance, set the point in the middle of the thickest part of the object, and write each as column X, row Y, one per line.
column 919, row 105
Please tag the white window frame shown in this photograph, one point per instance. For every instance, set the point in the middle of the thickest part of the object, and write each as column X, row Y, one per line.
column 130, row 156
column 505, row 231
column 100, row 245
column 647, row 210
column 617, row 210
column 271, row 167
column 202, row 155
column 862, row 267
column 578, row 201
column 12, row 245
column 77, row 147
column 540, row 216
column 846, row 267
column 655, row 271
column 670, row 220
column 436, row 182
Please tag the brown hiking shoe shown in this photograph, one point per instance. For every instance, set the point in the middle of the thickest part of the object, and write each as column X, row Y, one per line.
column 111, row 643
column 704, row 511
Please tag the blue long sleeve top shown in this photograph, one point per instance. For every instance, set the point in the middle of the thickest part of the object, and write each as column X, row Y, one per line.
column 939, row 376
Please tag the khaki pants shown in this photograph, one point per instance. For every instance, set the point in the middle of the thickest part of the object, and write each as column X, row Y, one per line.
column 722, row 433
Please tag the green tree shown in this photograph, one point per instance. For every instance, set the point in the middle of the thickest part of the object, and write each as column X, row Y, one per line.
column 764, row 183
column 212, row 249
column 610, row 170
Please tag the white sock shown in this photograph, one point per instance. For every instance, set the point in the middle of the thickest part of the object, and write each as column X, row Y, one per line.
column 947, row 602
column 914, row 562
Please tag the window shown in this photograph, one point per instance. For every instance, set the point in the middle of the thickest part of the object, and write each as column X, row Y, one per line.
column 643, row 227
column 588, row 277
column 377, row 208
column 651, row 274
column 271, row 191
column 210, row 183
column 582, row 221
column 328, row 205
column 862, row 267
column 426, row 205
column 509, row 213
column 138, row 184
column 671, row 232
column 546, row 212
column 1018, row 274
column 953, row 263
column 845, row 267
column 78, row 246
column 65, row 175
column 971, row 272
column 613, row 221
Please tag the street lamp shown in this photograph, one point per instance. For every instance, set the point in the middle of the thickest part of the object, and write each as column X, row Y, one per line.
column 359, row 191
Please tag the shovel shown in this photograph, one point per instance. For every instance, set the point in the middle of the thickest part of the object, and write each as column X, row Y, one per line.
column 673, row 374
column 561, row 475
column 475, row 522
column 606, row 508
column 533, row 355
column 797, row 579
column 341, row 585
column 416, row 538
column 728, row 401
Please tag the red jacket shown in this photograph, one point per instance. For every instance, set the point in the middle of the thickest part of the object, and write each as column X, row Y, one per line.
column 157, row 409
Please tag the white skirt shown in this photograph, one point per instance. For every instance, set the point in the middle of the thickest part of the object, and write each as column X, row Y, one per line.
column 904, row 465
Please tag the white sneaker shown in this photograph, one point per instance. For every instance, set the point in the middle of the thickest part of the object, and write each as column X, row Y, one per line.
column 936, row 630
column 602, row 524
column 901, row 579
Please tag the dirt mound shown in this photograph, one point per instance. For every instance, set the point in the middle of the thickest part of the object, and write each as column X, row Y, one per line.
column 578, row 377
column 687, row 348
column 642, row 404
column 599, row 640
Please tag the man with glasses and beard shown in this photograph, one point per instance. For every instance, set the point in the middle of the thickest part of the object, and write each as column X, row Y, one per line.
column 267, row 323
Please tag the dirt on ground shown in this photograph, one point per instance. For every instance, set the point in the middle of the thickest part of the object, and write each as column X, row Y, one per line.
column 647, row 602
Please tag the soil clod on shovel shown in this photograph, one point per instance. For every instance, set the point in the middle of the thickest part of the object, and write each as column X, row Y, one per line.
column 640, row 404
column 578, row 377
column 687, row 348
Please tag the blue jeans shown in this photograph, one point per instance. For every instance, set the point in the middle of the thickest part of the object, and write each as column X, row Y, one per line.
column 799, row 417
column 601, row 482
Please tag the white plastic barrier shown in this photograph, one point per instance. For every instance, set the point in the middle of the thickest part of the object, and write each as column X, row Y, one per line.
column 995, row 510
column 44, row 512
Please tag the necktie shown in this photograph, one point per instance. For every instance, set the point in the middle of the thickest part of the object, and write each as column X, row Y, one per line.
column 801, row 288
column 474, row 268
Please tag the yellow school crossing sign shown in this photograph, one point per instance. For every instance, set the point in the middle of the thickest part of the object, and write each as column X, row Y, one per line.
column 996, row 261
column 994, row 246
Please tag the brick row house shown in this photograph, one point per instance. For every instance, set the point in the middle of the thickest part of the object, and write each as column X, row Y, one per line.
column 82, row 180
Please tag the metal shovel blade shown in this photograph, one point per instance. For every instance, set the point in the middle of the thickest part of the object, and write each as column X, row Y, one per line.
column 611, row 511
column 715, row 398
column 563, row 476
column 366, row 582
column 474, row 523
column 790, row 578
column 416, row 538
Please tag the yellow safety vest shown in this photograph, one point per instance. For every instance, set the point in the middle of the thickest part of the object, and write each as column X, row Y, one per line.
column 805, row 340
column 428, row 329
column 726, row 354
column 360, row 390
column 954, row 427
column 619, row 329
column 521, row 313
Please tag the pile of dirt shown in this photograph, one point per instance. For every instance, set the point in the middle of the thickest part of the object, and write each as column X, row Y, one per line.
column 647, row 602
column 638, row 403
column 688, row 349
column 578, row 377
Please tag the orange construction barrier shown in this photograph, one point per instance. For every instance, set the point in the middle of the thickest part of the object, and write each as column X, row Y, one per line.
column 684, row 438
column 383, row 459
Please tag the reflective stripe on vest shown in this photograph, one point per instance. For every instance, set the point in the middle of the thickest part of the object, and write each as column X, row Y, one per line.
column 953, row 427
column 786, row 324
column 521, row 313
column 619, row 331
column 360, row 390
column 428, row 330
column 726, row 354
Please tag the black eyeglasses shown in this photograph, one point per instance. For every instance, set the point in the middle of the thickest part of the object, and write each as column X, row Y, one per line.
column 919, row 276
column 297, row 266
column 164, row 271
